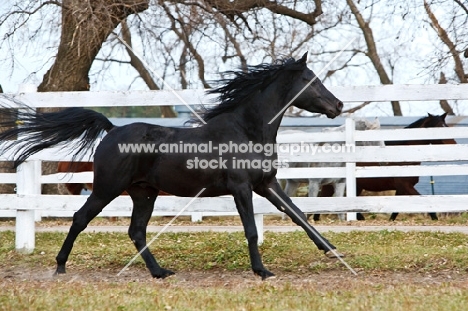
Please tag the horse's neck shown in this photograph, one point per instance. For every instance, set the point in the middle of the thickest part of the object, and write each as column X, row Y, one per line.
column 258, row 114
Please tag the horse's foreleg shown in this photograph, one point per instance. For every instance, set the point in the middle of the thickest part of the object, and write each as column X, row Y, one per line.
column 81, row 219
column 273, row 193
column 243, row 198
column 143, row 204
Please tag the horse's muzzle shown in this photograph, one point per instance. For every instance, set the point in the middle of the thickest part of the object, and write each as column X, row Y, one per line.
column 333, row 113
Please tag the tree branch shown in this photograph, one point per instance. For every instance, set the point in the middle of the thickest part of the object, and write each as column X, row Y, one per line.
column 233, row 41
column 21, row 12
column 233, row 9
column 166, row 111
column 134, row 60
column 443, row 36
column 462, row 6
column 113, row 60
column 184, row 36
column 372, row 52
column 358, row 107
column 443, row 103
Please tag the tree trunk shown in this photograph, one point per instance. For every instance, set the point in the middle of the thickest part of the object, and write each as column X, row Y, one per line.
column 85, row 26
column 372, row 53
column 166, row 111
column 443, row 103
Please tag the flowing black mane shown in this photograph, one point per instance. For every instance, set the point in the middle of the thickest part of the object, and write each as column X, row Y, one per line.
column 234, row 91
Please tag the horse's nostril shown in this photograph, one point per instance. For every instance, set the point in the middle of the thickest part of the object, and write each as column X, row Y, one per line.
column 339, row 105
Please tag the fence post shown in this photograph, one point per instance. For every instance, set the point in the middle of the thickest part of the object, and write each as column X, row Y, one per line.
column 28, row 182
column 350, row 166
column 196, row 216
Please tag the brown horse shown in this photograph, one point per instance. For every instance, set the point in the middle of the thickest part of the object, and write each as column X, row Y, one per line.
column 402, row 185
column 76, row 167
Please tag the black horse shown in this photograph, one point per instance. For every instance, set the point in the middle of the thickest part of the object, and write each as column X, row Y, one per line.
column 248, row 116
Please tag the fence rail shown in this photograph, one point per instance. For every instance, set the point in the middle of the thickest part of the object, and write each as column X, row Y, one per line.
column 348, row 94
column 28, row 201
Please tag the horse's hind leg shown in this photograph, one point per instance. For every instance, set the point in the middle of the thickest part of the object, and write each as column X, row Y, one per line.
column 143, row 204
column 433, row 216
column 404, row 188
column 81, row 219
column 106, row 188
column 290, row 189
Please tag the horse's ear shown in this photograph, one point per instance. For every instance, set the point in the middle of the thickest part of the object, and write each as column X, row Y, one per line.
column 304, row 58
column 443, row 116
column 429, row 115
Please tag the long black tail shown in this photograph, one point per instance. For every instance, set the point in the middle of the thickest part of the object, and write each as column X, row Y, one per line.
column 37, row 131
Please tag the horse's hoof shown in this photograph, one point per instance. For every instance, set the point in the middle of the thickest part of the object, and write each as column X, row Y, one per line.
column 60, row 270
column 334, row 254
column 265, row 274
column 164, row 273
column 271, row 277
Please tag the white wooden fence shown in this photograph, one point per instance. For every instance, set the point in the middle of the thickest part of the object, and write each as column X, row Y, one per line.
column 28, row 201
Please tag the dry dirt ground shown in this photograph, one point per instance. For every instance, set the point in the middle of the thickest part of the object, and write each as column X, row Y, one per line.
column 328, row 280
column 324, row 281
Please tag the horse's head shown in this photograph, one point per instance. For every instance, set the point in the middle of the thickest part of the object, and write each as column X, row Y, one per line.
column 433, row 121
column 307, row 92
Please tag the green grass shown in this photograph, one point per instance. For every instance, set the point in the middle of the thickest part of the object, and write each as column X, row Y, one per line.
column 134, row 296
column 382, row 250
column 306, row 279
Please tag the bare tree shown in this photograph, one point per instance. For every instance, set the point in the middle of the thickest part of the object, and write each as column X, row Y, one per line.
column 135, row 61
column 236, row 9
column 452, row 48
column 190, row 42
column 372, row 52
column 85, row 26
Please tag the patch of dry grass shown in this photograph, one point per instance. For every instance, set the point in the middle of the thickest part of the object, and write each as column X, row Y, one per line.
column 396, row 271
